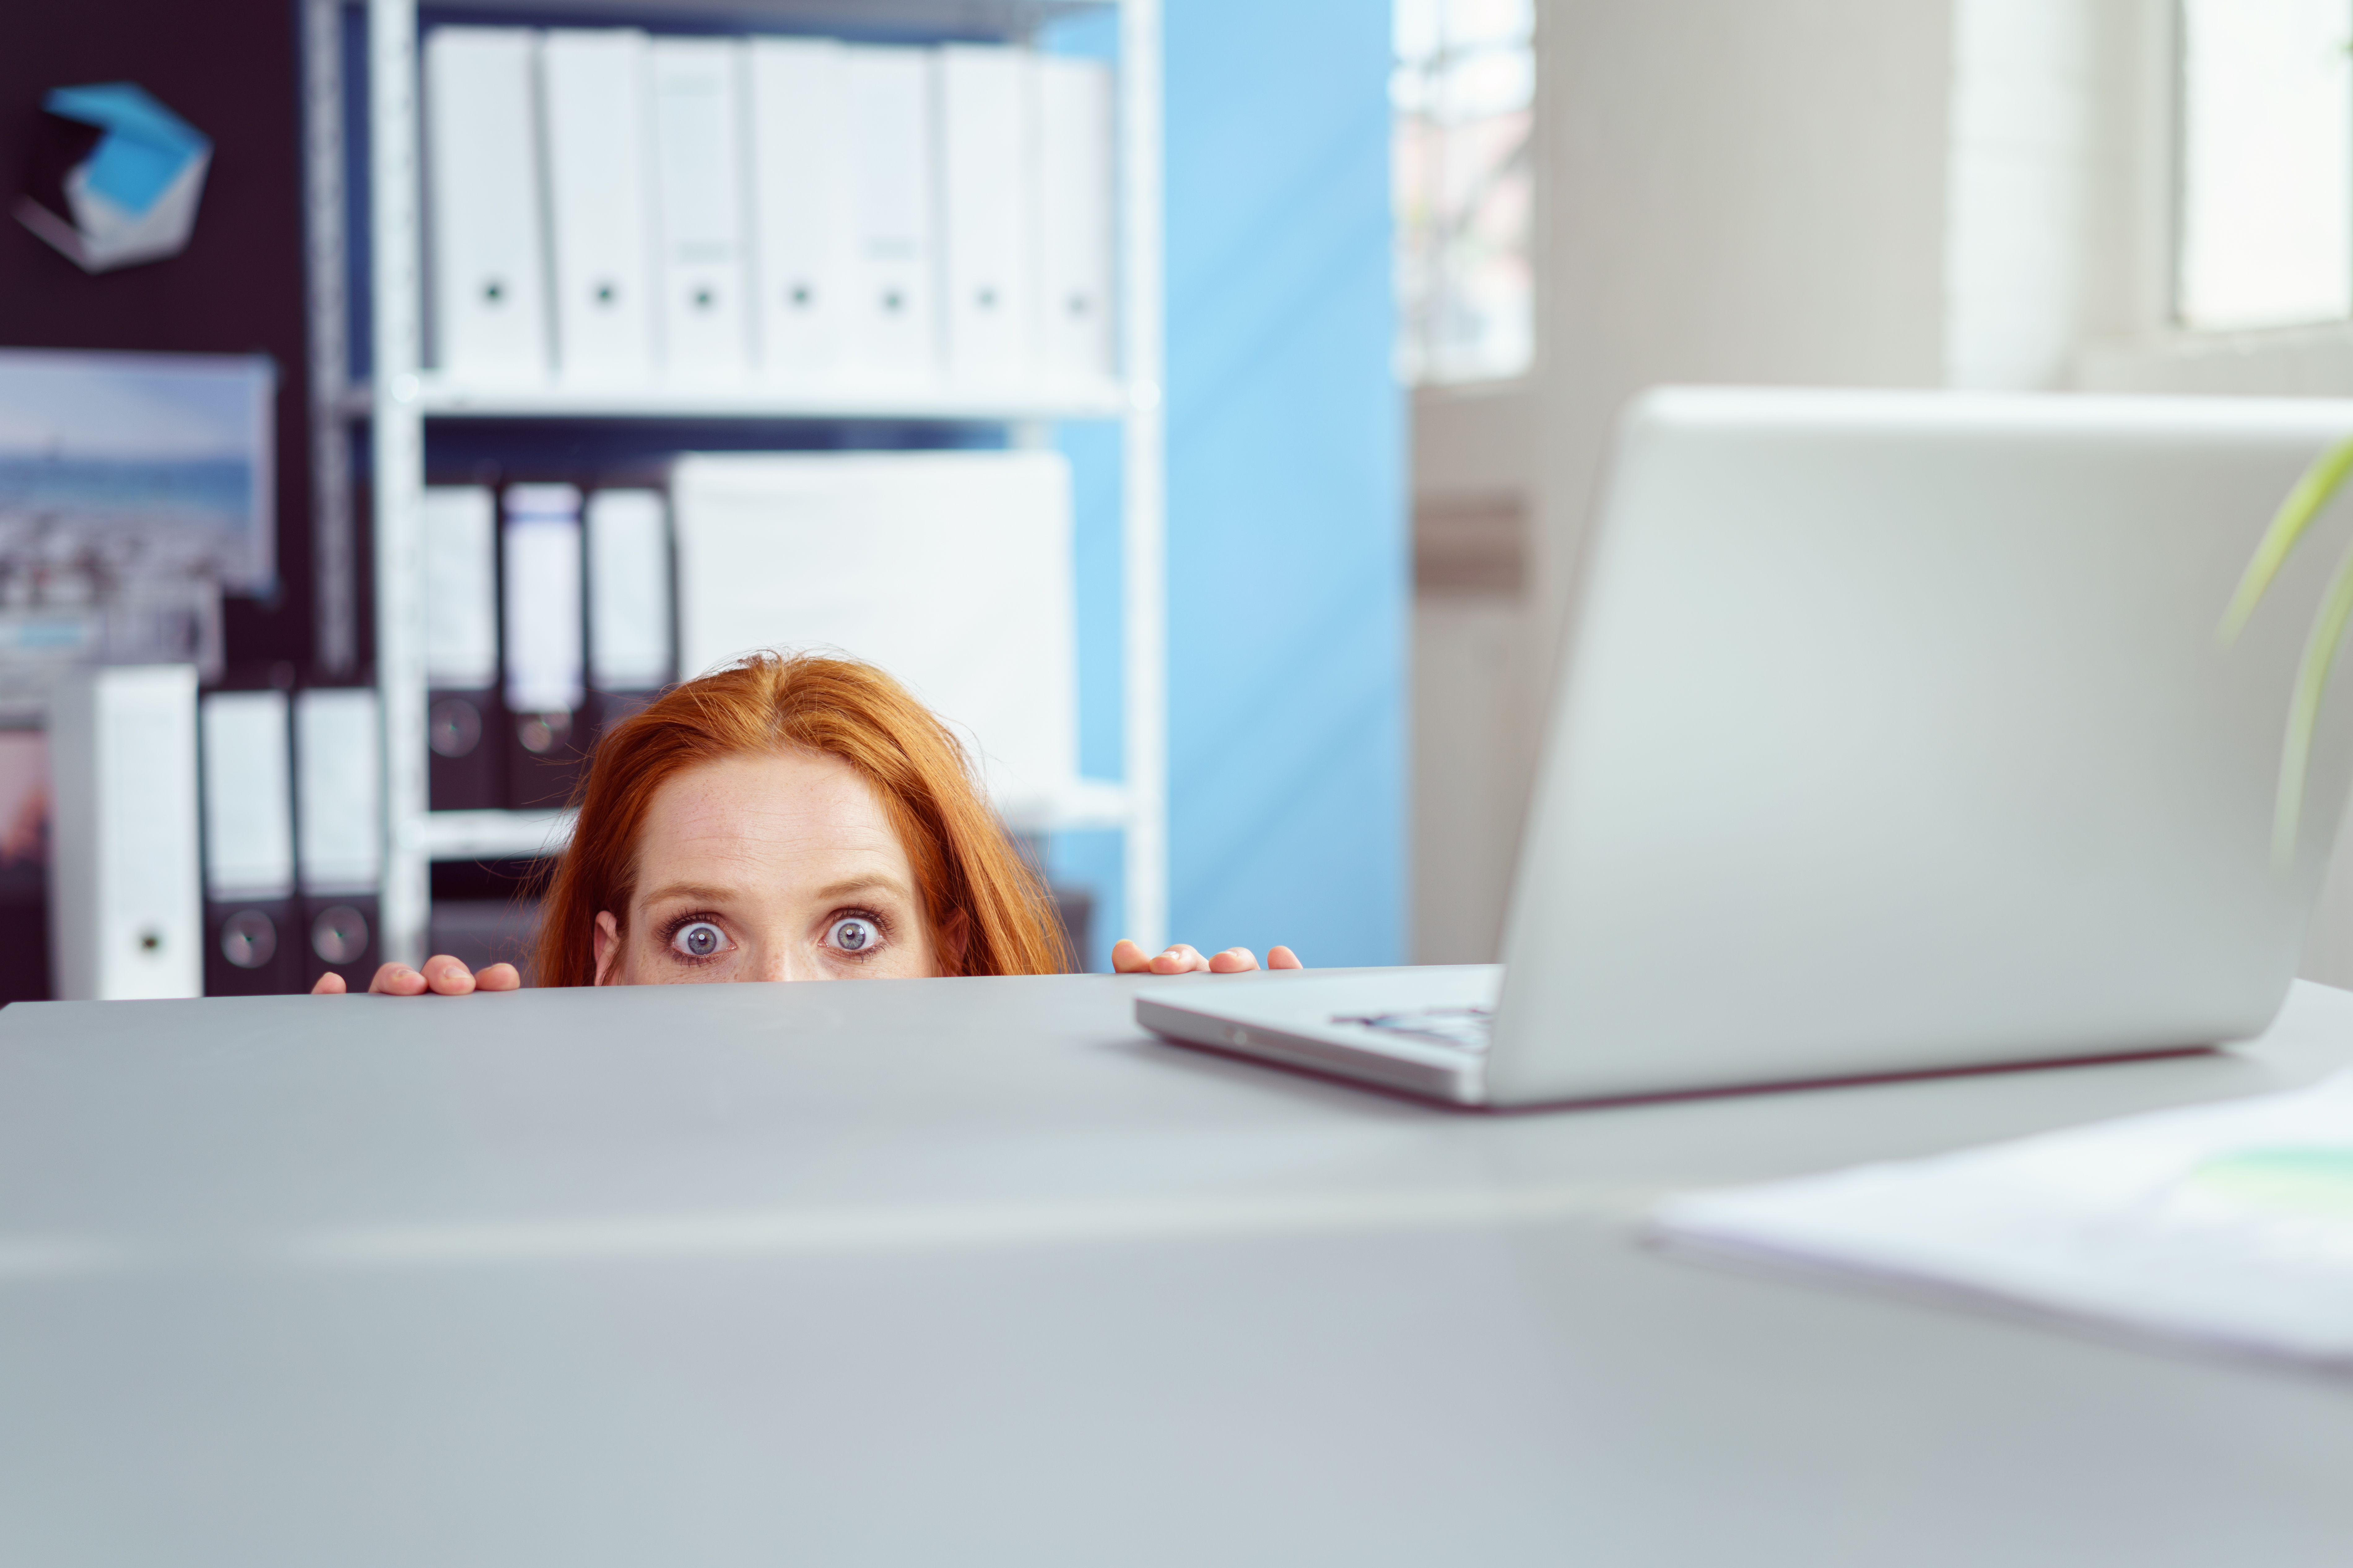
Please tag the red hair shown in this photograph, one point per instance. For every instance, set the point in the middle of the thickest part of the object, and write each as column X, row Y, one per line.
column 974, row 884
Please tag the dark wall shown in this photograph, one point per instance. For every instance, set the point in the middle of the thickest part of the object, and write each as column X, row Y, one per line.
column 229, row 68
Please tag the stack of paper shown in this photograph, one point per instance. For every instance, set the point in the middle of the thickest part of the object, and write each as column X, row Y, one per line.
column 951, row 570
column 2229, row 1226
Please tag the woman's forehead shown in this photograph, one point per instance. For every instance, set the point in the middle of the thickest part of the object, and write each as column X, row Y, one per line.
column 792, row 815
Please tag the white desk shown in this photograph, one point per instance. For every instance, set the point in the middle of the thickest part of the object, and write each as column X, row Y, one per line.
column 967, row 1271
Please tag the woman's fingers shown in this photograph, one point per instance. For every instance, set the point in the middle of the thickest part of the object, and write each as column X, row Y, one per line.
column 396, row 980
column 443, row 975
column 1127, row 958
column 448, row 976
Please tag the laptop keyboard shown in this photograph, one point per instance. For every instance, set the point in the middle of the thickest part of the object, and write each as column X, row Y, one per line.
column 1468, row 1029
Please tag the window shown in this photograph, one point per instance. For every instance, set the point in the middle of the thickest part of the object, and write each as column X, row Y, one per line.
column 2266, row 175
column 1462, row 100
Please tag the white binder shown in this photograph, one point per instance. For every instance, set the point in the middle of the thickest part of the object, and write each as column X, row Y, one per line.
column 541, row 546
column 986, row 166
column 487, row 291
column 951, row 570
column 803, row 163
column 629, row 591
column 705, row 320
column 248, row 796
column 1074, row 150
column 593, row 88
column 895, row 319
column 461, row 592
column 338, row 790
column 126, row 901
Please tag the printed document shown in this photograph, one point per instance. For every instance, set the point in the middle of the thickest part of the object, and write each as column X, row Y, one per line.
column 2229, row 1226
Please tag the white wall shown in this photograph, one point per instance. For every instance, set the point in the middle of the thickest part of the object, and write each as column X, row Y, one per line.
column 1733, row 191
column 1730, row 190
column 1474, row 677
column 2019, row 215
column 1971, row 192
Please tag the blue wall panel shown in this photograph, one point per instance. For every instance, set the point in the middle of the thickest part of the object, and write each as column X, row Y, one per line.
column 1288, row 557
column 1288, row 552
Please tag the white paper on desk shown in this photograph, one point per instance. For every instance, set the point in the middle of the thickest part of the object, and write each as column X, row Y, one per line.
column 2226, row 1226
column 951, row 570
column 488, row 284
column 593, row 85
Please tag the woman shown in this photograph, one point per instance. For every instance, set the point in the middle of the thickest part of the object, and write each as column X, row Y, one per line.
column 787, row 819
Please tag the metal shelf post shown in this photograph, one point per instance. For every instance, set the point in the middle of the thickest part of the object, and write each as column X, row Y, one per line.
column 1144, row 480
column 398, row 429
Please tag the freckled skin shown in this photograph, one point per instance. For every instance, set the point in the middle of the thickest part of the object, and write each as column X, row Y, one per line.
column 778, row 866
column 773, row 865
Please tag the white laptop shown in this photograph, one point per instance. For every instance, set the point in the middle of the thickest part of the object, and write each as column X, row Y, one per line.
column 1892, row 734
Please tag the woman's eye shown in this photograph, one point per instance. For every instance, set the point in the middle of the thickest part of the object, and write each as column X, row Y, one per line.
column 853, row 933
column 698, row 939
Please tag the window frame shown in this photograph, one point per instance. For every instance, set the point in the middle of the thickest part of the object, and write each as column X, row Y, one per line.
column 1425, row 387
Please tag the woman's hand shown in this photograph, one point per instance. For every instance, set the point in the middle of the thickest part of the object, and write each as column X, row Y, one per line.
column 1127, row 958
column 443, row 976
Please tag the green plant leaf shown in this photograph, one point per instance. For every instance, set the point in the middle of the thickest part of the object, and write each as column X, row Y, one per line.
column 2312, row 491
column 2303, row 707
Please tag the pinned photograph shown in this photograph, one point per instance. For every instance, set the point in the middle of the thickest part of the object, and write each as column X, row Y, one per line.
column 134, row 490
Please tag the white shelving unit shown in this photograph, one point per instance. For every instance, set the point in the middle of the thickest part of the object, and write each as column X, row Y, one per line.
column 404, row 394
column 441, row 396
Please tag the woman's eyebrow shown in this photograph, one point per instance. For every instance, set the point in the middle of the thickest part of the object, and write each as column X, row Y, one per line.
column 691, row 893
column 854, row 885
column 705, row 893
